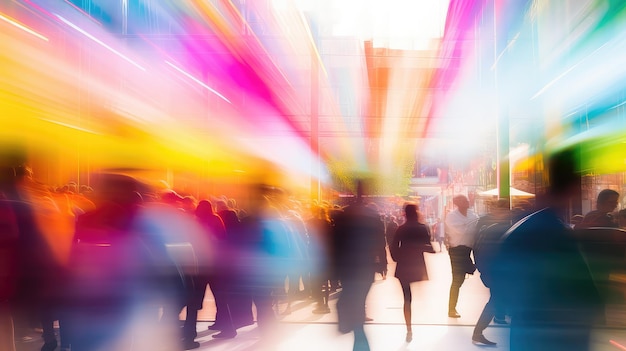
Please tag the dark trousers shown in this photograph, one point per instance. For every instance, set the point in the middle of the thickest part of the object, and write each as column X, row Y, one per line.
column 48, row 316
column 240, row 305
column 493, row 308
column 351, row 310
column 320, row 288
column 221, row 287
column 262, row 298
column 459, row 258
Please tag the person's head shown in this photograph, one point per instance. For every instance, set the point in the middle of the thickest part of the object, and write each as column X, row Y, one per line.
column 563, row 175
column 116, row 188
column 204, row 209
column 171, row 197
column 607, row 200
column 410, row 212
column 188, row 203
column 220, row 205
column 461, row 202
column 12, row 163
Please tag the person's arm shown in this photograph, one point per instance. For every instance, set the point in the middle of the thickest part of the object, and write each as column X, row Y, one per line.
column 394, row 248
column 426, row 239
column 446, row 233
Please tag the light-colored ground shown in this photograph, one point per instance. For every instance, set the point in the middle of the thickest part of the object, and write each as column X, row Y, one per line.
column 432, row 329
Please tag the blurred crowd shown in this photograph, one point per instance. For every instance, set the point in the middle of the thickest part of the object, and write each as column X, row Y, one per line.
column 103, row 266
column 115, row 266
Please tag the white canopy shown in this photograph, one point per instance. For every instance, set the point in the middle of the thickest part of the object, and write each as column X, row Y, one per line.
column 513, row 192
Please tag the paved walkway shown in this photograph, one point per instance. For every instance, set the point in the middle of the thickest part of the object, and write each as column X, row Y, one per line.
column 302, row 330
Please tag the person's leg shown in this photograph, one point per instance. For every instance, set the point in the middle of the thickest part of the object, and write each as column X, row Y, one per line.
column 458, row 277
column 47, row 325
column 406, row 291
column 228, row 329
column 64, row 332
column 7, row 338
column 219, row 288
column 319, row 289
column 351, row 311
column 189, row 328
column 266, row 319
column 360, row 339
column 481, row 325
column 499, row 305
column 485, row 317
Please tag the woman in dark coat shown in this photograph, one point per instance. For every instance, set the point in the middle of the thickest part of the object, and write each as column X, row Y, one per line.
column 410, row 242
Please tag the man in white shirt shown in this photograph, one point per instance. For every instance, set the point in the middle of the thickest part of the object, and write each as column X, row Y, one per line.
column 460, row 233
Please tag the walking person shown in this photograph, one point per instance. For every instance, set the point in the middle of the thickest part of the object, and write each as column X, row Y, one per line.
column 356, row 243
column 319, row 228
column 549, row 290
column 438, row 233
column 460, row 231
column 491, row 227
column 409, row 243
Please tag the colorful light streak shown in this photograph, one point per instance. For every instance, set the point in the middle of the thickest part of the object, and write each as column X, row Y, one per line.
column 80, row 30
column 188, row 75
column 618, row 345
column 374, row 105
column 22, row 27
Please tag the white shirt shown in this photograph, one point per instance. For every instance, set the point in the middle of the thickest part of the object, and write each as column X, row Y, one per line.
column 460, row 229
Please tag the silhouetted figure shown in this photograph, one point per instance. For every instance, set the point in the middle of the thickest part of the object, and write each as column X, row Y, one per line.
column 319, row 228
column 550, row 293
column 121, row 274
column 240, row 306
column 438, row 232
column 606, row 203
column 299, row 261
column 460, row 231
column 409, row 243
column 216, row 277
column 491, row 227
column 190, row 250
column 381, row 255
column 35, row 272
column 391, row 225
column 9, row 236
column 264, row 256
column 356, row 245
